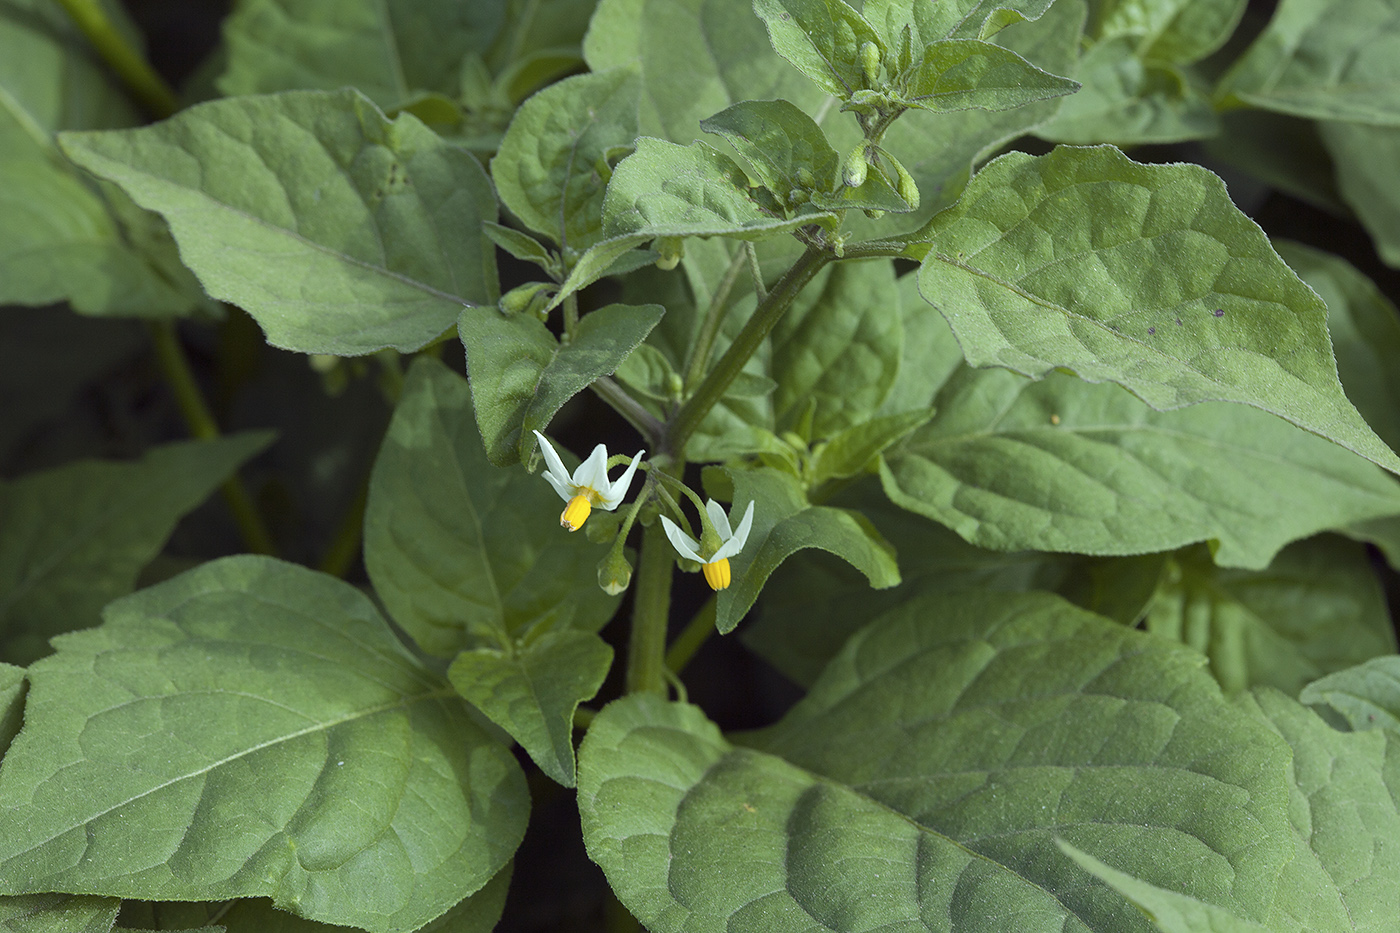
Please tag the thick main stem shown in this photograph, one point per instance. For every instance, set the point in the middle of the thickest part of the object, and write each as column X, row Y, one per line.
column 646, row 650
column 765, row 317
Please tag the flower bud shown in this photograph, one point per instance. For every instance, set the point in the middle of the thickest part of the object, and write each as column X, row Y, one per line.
column 614, row 573
column 528, row 297
column 870, row 63
column 854, row 168
column 672, row 250
column 904, row 183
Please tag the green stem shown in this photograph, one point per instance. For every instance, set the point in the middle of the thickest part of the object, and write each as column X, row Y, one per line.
column 765, row 316
column 714, row 317
column 176, row 368
column 700, row 627
column 345, row 545
column 647, row 424
column 646, row 650
column 571, row 314
column 122, row 57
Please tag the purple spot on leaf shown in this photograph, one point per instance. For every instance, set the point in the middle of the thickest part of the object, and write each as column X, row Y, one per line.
column 1178, row 322
column 1219, row 312
column 1152, row 330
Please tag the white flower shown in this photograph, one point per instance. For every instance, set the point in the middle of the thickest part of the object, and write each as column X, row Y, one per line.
column 716, row 565
column 589, row 487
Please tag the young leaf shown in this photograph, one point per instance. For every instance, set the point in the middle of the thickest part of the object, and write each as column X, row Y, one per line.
column 784, row 523
column 338, row 230
column 1098, row 472
column 462, row 553
column 521, row 375
column 822, row 39
column 1317, row 609
column 780, row 143
column 1083, row 259
column 964, row 74
column 389, row 51
column 547, row 168
column 1325, row 59
column 1367, row 695
column 58, row 913
column 839, row 345
column 520, row 245
column 1361, row 155
column 170, row 747
column 74, row 538
column 852, row 451
column 532, row 692
column 872, row 806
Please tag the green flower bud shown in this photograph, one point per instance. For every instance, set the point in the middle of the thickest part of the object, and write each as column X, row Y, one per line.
column 854, row 168
column 797, row 196
column 874, row 213
column 870, row 63
column 805, row 177
column 904, row 182
column 530, row 297
column 614, row 573
column 672, row 250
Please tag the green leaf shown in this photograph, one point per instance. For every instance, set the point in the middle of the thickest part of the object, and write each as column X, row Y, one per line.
column 923, row 781
column 1365, row 329
column 74, row 538
column 1367, row 695
column 1346, row 875
column 1317, row 609
column 822, row 39
column 1063, row 465
column 962, row 74
column 465, row 554
column 167, row 755
column 547, row 168
column 532, row 693
column 62, row 239
column 521, row 375
column 1179, row 31
column 1129, row 101
column 1169, row 911
column 784, row 523
column 839, row 346
column 520, row 245
column 852, row 451
column 1362, row 155
column 1083, row 259
column 975, row 19
column 780, row 142
column 12, row 690
column 1325, row 59
column 667, row 190
column 390, row 51
column 338, row 230
column 58, row 913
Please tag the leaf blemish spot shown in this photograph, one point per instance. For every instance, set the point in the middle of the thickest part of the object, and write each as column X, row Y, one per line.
column 1219, row 312
column 1152, row 330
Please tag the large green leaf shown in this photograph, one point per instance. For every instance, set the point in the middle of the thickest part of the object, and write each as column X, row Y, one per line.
column 547, row 168
column 532, row 692
column 1182, row 31
column 521, row 374
column 1143, row 275
column 785, row 522
column 1318, row 608
column 1363, row 156
column 58, row 913
column 923, row 781
column 1367, row 695
column 74, row 538
column 171, row 754
column 12, row 690
column 1325, row 59
column 966, row 74
column 1365, row 329
column 61, row 239
column 1063, row 465
column 391, row 50
column 465, row 554
column 339, row 230
column 839, row 347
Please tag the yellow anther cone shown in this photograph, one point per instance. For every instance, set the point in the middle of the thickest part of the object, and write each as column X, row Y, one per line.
column 717, row 573
column 576, row 513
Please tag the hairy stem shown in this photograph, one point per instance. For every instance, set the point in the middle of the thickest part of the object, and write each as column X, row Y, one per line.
column 765, row 316
column 646, row 650
column 121, row 56
column 176, row 369
column 647, row 424
column 714, row 317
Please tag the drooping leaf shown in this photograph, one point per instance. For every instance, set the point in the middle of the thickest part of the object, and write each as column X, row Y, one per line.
column 839, row 346
column 965, row 74
column 74, row 538
column 1362, row 155
column 547, row 168
column 521, row 374
column 62, row 238
column 465, row 554
column 1365, row 329
column 58, row 913
column 1367, row 695
column 924, row 780
column 168, row 755
column 1318, row 608
column 532, row 692
column 785, row 522
column 1325, row 59
column 390, row 51
column 1083, row 259
column 822, row 39
column 338, row 230
column 1063, row 465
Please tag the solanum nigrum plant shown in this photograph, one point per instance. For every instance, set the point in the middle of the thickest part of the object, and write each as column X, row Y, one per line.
column 914, row 336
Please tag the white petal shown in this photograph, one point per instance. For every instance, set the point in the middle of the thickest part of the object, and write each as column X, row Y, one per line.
column 685, row 545
column 593, row 472
column 616, row 492
column 552, row 461
column 564, row 487
column 736, row 544
column 718, row 519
